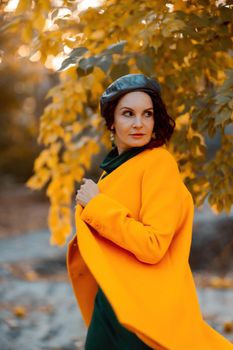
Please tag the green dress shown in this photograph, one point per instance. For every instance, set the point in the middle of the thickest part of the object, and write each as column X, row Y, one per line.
column 105, row 331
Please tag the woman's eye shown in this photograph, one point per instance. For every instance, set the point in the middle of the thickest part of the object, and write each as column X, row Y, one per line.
column 127, row 113
column 130, row 113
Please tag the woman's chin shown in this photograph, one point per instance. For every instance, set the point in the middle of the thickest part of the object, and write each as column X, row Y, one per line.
column 138, row 143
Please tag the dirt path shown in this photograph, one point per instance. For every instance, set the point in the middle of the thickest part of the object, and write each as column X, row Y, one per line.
column 22, row 210
column 37, row 307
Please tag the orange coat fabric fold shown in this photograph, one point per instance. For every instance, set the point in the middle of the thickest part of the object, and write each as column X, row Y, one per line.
column 133, row 240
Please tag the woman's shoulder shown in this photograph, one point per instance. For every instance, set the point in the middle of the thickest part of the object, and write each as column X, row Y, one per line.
column 161, row 163
column 159, row 156
column 161, row 160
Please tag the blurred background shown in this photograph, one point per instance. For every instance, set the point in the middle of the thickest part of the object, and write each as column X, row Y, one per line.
column 37, row 305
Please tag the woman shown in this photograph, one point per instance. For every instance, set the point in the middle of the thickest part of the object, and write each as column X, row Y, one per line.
column 128, row 263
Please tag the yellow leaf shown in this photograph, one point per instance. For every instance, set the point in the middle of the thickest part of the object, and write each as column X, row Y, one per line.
column 182, row 120
column 97, row 35
column 76, row 126
column 55, row 148
column 179, row 5
column 34, row 182
column 67, row 137
column 60, row 234
column 27, row 32
column 219, row 282
column 41, row 159
column 228, row 327
column 78, row 174
column 31, row 276
column 53, row 215
column 23, row 5
column 20, row 311
column 39, row 21
column 176, row 65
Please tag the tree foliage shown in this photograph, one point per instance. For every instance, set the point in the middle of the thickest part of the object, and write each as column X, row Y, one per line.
column 186, row 45
column 23, row 85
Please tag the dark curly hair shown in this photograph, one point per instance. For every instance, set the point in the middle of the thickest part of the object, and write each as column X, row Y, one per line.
column 163, row 127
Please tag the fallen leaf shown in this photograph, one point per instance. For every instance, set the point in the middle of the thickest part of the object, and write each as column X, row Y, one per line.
column 20, row 311
column 228, row 327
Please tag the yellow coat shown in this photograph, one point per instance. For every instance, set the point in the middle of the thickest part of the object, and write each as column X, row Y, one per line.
column 134, row 241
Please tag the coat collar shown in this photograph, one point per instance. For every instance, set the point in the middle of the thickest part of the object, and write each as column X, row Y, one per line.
column 113, row 159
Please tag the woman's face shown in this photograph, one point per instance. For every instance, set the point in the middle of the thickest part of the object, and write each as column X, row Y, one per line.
column 133, row 115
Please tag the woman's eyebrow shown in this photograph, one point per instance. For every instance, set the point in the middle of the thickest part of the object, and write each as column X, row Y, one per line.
column 132, row 109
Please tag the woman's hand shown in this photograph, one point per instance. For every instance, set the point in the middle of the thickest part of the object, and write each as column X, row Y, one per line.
column 86, row 192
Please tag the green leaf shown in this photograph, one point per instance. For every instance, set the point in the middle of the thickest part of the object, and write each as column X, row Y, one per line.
column 86, row 66
column 78, row 52
column 119, row 70
column 222, row 116
column 225, row 13
column 115, row 48
column 104, row 62
column 82, row 72
column 198, row 21
column 223, row 44
column 230, row 104
column 73, row 58
column 145, row 64
column 222, row 99
column 87, row 63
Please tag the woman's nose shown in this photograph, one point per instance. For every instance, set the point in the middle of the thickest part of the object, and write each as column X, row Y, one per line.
column 137, row 121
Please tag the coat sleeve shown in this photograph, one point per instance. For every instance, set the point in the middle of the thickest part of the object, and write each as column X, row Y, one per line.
column 149, row 237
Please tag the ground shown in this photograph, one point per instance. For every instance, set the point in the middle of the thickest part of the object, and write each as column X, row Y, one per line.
column 22, row 210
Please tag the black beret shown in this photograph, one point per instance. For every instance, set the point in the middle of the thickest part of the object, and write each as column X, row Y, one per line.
column 125, row 84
